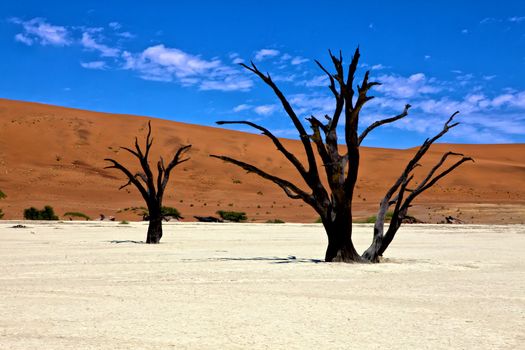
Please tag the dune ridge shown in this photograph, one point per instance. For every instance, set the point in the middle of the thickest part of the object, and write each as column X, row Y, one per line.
column 55, row 155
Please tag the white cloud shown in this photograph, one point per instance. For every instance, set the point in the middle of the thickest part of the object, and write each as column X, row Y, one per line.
column 162, row 63
column 265, row 53
column 229, row 83
column 115, row 25
column 312, row 104
column 105, row 51
column 126, row 35
column 378, row 66
column 298, row 60
column 94, row 65
column 406, row 87
column 427, row 57
column 320, row 80
column 24, row 39
column 265, row 110
column 464, row 31
column 489, row 20
column 242, row 107
column 516, row 19
column 40, row 31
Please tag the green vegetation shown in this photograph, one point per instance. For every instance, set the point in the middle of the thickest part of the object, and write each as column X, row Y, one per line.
column 275, row 221
column 234, row 216
column 1, row 214
column 124, row 222
column 75, row 214
column 171, row 212
column 318, row 221
column 372, row 219
column 34, row 214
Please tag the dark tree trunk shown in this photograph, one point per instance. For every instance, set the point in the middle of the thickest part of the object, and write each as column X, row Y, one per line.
column 154, row 230
column 334, row 203
column 145, row 182
column 339, row 231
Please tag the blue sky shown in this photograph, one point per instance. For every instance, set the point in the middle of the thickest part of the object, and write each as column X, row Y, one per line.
column 178, row 60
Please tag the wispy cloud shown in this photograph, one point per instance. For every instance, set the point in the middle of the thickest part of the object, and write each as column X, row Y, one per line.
column 406, row 87
column 298, row 60
column 105, row 51
column 516, row 19
column 115, row 25
column 38, row 30
column 266, row 53
column 265, row 110
column 242, row 107
column 94, row 65
column 162, row 63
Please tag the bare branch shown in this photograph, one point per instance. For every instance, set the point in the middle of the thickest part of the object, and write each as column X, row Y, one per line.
column 131, row 177
column 290, row 156
column 289, row 188
column 382, row 122
column 305, row 139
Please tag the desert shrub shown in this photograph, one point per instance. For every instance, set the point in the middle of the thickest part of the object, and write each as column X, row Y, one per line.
column 166, row 212
column 275, row 221
column 2, row 194
column 124, row 222
column 372, row 219
column 318, row 221
column 76, row 214
column 172, row 212
column 235, row 216
column 1, row 214
column 34, row 214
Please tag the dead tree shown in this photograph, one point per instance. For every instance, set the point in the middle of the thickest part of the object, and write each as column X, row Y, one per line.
column 151, row 190
column 334, row 204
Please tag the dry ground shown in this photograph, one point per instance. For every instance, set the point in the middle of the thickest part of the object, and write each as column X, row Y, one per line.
column 258, row 286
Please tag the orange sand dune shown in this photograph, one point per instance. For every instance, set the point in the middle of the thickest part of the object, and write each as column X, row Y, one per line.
column 54, row 155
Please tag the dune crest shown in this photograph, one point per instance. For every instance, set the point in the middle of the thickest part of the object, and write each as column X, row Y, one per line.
column 55, row 155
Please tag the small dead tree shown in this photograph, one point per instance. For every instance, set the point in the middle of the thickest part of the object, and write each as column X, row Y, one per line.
column 151, row 189
column 334, row 204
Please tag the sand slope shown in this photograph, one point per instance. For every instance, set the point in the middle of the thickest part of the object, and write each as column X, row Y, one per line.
column 54, row 155
column 258, row 286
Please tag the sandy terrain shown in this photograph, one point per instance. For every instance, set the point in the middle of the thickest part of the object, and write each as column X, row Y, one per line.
column 258, row 286
column 54, row 155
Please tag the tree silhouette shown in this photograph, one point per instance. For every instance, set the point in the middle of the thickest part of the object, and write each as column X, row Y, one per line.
column 334, row 204
column 151, row 189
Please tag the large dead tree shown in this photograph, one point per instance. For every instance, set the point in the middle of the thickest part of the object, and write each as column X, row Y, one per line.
column 334, row 204
column 151, row 189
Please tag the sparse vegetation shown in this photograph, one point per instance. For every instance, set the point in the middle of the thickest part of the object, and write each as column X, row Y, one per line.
column 34, row 214
column 372, row 219
column 75, row 214
column 275, row 221
column 171, row 212
column 124, row 222
column 1, row 214
column 234, row 216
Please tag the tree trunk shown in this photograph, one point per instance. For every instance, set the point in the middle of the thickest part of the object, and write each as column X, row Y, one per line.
column 154, row 230
column 340, row 246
